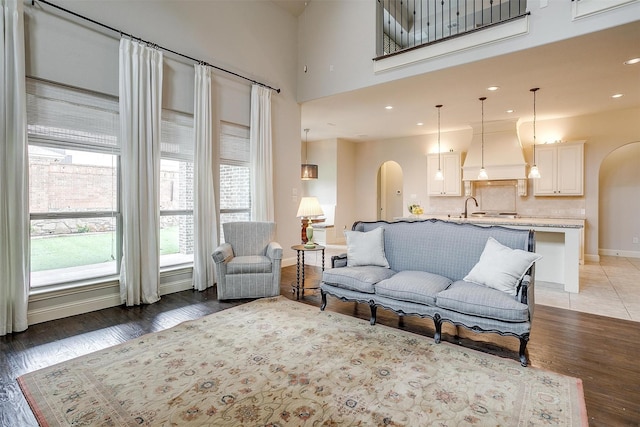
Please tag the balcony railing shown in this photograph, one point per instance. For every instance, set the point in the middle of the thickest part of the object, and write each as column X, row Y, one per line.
column 407, row 24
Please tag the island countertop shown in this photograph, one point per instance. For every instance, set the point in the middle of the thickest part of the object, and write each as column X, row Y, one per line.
column 518, row 221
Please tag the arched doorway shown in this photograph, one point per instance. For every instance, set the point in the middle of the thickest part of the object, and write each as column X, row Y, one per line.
column 389, row 191
column 619, row 204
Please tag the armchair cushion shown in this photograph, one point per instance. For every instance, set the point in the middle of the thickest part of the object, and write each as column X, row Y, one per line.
column 249, row 264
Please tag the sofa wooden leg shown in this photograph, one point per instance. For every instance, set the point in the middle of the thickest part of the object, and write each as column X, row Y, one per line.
column 372, row 321
column 524, row 339
column 438, row 324
column 324, row 300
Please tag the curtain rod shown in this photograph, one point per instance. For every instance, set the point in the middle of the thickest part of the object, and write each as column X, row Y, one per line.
column 122, row 33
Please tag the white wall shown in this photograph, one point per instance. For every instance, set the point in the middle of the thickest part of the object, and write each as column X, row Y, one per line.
column 620, row 202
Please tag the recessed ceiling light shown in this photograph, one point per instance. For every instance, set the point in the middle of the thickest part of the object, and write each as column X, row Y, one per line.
column 389, row 107
column 510, row 111
column 493, row 88
column 420, row 124
column 331, row 124
column 617, row 95
column 632, row 61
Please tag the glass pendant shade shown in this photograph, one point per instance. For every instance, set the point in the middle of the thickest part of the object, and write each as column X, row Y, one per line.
column 439, row 175
column 534, row 172
column 483, row 174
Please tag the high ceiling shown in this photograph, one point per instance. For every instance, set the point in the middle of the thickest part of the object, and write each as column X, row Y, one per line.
column 576, row 76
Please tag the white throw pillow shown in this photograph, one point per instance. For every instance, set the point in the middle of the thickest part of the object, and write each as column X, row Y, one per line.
column 366, row 248
column 501, row 267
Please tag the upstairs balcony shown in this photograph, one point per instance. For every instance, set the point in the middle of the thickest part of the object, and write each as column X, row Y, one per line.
column 408, row 25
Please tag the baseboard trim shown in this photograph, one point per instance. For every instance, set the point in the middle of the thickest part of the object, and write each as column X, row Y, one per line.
column 74, row 308
column 47, row 308
column 619, row 253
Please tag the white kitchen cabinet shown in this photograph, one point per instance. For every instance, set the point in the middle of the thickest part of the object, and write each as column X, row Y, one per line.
column 561, row 169
column 451, row 170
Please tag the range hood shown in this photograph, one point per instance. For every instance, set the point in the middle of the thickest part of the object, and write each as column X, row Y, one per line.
column 503, row 156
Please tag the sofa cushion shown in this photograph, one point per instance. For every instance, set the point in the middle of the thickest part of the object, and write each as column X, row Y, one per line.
column 366, row 248
column 478, row 300
column 361, row 279
column 413, row 286
column 249, row 264
column 501, row 267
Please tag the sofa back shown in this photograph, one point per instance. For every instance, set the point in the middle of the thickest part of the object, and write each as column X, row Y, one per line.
column 445, row 248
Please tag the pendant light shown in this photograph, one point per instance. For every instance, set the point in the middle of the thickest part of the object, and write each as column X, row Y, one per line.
column 439, row 176
column 534, row 172
column 482, row 175
column 308, row 171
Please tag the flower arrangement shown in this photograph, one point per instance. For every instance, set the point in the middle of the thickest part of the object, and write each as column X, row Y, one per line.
column 415, row 209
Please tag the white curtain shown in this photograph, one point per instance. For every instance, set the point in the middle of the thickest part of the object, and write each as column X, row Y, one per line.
column 140, row 117
column 262, row 207
column 14, row 172
column 205, row 230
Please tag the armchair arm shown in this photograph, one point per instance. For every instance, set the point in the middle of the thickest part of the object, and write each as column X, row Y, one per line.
column 274, row 250
column 222, row 253
column 339, row 261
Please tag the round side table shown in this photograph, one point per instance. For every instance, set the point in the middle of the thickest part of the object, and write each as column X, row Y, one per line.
column 300, row 250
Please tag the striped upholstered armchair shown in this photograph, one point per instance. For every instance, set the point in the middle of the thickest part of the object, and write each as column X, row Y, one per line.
column 248, row 263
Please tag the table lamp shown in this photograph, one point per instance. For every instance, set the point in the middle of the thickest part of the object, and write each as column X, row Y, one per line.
column 309, row 207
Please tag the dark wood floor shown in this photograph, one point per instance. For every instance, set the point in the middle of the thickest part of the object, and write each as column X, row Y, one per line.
column 602, row 351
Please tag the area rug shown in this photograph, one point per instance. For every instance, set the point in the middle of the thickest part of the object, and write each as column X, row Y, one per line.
column 276, row 362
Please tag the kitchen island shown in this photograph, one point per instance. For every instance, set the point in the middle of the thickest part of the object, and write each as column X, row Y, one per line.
column 558, row 240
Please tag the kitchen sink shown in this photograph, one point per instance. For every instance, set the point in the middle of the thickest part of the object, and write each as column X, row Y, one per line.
column 481, row 214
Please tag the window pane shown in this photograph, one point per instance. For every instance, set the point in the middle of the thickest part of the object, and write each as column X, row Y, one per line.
column 176, row 239
column 62, row 180
column 176, row 185
column 235, row 190
column 70, row 249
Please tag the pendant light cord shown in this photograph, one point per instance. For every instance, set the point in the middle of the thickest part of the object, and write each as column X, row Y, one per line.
column 534, row 90
column 439, row 106
column 482, row 130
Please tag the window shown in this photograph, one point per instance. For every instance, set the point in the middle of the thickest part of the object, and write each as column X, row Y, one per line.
column 235, row 178
column 176, row 189
column 73, row 183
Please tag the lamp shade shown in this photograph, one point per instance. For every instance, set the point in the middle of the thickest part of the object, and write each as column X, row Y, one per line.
column 309, row 206
column 308, row 171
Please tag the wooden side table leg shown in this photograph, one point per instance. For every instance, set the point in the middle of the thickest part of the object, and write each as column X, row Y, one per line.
column 302, row 285
column 298, row 275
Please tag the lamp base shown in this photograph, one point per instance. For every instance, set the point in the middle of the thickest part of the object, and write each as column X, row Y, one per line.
column 309, row 245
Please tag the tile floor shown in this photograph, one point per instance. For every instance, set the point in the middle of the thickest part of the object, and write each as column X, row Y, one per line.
column 609, row 288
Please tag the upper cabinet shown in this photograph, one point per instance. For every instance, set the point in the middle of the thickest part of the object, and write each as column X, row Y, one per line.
column 561, row 169
column 450, row 164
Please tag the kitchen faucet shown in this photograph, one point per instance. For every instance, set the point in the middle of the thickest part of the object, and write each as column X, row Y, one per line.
column 464, row 215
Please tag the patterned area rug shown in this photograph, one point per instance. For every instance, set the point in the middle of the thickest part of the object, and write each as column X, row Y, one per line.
column 276, row 362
